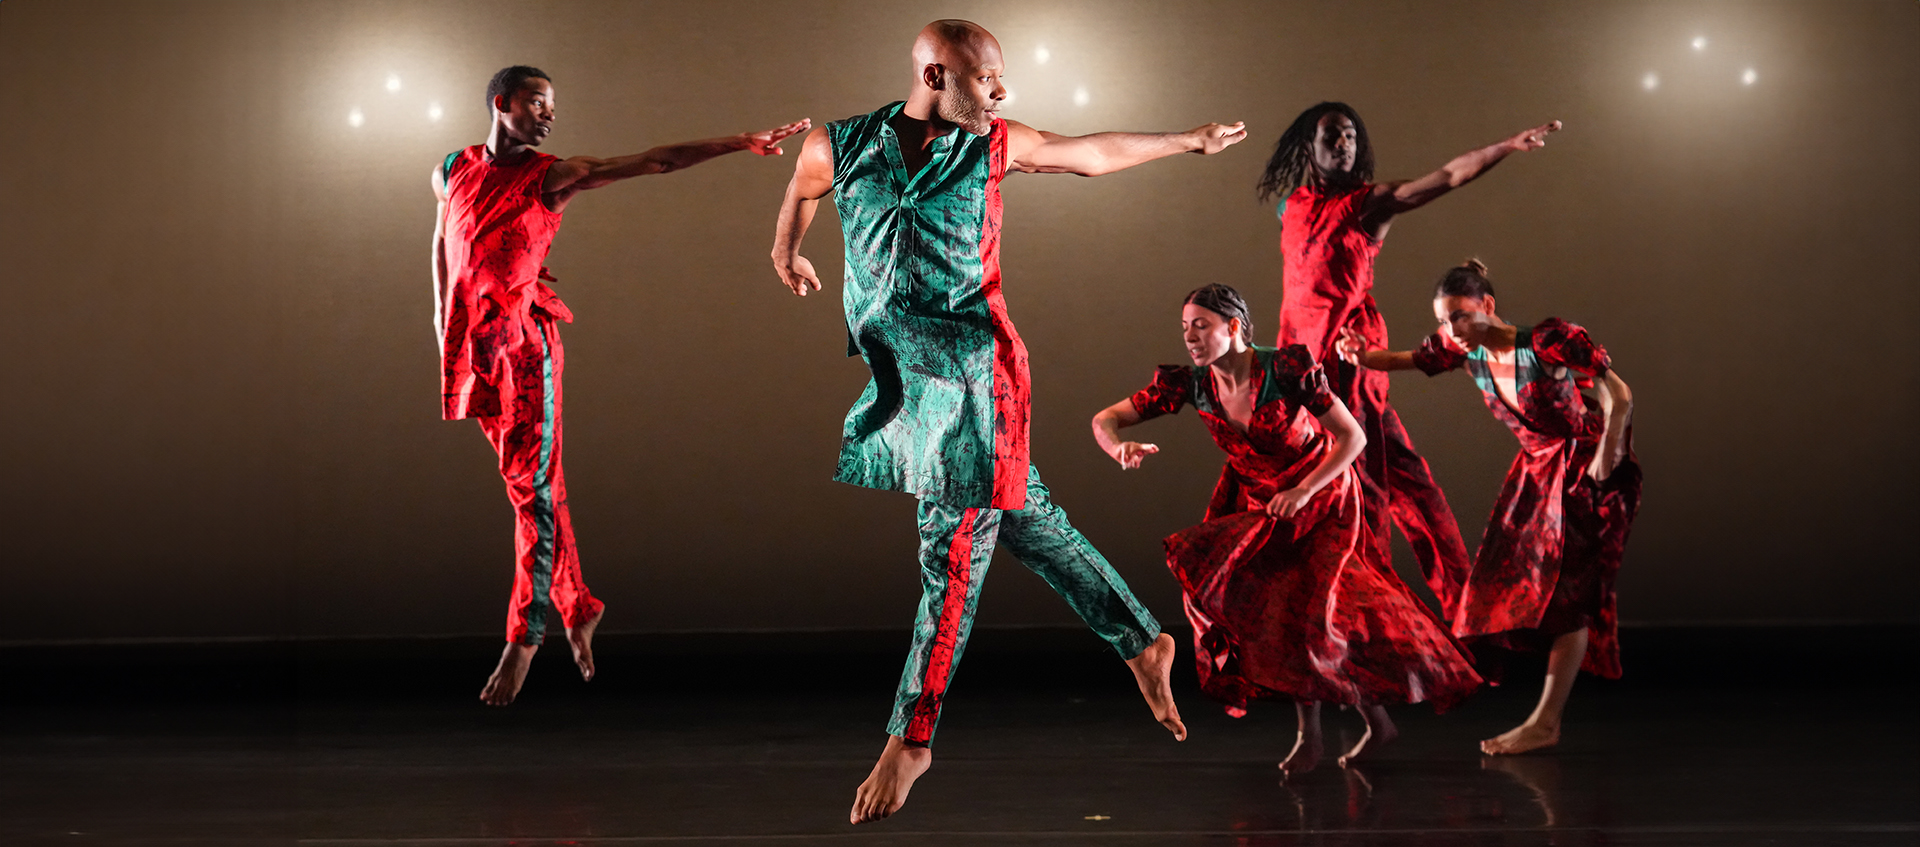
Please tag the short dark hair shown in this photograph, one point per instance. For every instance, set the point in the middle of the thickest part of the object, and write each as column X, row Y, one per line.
column 1222, row 300
column 1293, row 155
column 508, row 81
column 1469, row 279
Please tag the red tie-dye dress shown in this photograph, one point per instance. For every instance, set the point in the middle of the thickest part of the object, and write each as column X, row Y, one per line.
column 1301, row 608
column 1553, row 545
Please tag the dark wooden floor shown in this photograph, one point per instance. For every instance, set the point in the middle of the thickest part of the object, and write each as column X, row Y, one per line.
column 1717, row 737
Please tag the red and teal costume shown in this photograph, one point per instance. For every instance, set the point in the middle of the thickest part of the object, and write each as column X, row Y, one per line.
column 1328, row 285
column 1305, row 607
column 501, row 364
column 1553, row 545
column 945, row 417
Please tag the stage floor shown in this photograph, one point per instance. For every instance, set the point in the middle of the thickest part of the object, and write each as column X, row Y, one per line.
column 377, row 744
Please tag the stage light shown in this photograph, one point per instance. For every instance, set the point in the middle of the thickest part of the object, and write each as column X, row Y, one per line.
column 1749, row 76
column 355, row 118
column 1699, row 43
column 433, row 111
column 1650, row 82
column 1080, row 96
column 1041, row 54
column 393, row 83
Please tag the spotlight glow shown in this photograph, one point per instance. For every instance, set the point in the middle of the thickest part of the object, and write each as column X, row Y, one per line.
column 355, row 118
column 1041, row 54
column 434, row 112
column 393, row 83
column 1699, row 43
column 1749, row 76
column 1650, row 82
column 1080, row 96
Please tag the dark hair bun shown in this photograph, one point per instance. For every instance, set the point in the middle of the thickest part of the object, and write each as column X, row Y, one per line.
column 1476, row 266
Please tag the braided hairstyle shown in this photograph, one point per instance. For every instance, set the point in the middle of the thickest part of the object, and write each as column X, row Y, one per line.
column 1468, row 279
column 508, row 81
column 1292, row 161
column 1222, row 300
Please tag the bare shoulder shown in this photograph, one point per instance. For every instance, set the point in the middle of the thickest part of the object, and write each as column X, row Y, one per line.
column 438, row 179
column 816, row 153
column 1022, row 138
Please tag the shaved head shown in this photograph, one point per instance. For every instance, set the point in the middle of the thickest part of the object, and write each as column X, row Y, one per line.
column 956, row 70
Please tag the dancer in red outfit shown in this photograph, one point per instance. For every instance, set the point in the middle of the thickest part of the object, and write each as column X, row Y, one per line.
column 1288, row 594
column 499, row 334
column 1543, row 578
column 1332, row 220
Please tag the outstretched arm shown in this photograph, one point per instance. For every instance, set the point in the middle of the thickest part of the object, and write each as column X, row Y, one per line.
column 1353, row 349
column 1348, row 441
column 1392, row 198
column 1616, row 406
column 440, row 292
column 1034, row 151
column 1106, row 432
column 812, row 180
column 572, row 176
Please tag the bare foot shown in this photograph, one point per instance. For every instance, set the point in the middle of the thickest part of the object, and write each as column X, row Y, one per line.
column 1380, row 732
column 580, row 638
column 1307, row 749
column 1151, row 669
column 885, row 790
column 505, row 683
column 1520, row 739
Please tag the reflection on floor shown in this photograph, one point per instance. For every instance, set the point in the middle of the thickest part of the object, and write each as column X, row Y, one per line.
column 759, row 740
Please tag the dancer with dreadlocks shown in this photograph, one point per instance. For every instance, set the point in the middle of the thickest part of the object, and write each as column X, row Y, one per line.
column 498, row 328
column 1333, row 217
column 1288, row 594
column 1542, row 580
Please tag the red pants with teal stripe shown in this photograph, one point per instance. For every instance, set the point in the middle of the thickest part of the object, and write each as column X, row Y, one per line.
column 956, row 545
column 526, row 435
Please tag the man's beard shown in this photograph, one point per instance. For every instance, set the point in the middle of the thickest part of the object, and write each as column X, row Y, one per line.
column 958, row 109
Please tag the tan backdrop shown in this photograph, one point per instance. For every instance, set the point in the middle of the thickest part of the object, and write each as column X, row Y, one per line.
column 221, row 415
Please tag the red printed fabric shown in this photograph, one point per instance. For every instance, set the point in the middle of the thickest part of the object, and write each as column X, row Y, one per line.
column 497, row 232
column 1554, row 543
column 1303, row 608
column 1436, row 356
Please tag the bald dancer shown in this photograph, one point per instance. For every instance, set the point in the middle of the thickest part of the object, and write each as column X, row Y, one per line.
column 498, row 328
column 917, row 186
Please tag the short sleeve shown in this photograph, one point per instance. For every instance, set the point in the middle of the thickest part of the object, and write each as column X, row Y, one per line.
column 1435, row 356
column 1301, row 379
column 1557, row 343
column 1172, row 387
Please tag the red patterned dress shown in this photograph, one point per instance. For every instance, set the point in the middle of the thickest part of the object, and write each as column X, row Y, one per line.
column 1301, row 608
column 1553, row 545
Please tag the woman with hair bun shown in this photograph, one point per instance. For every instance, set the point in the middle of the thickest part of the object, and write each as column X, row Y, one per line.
column 1289, row 596
column 1543, row 578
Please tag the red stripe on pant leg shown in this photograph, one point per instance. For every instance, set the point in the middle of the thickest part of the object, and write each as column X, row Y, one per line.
column 1012, row 389
column 953, row 610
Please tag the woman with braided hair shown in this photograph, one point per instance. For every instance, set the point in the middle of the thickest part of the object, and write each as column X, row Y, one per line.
column 1543, row 577
column 1288, row 594
column 1333, row 217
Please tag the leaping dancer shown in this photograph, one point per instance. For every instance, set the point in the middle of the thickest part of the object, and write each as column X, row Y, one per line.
column 498, row 328
column 945, row 417
column 1332, row 220
column 1543, row 577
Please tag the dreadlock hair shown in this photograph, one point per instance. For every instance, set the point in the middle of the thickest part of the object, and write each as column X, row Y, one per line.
column 508, row 81
column 1222, row 300
column 1469, row 279
column 1292, row 160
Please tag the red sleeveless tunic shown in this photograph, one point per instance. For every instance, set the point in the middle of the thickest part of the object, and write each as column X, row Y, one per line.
column 497, row 233
column 1328, row 282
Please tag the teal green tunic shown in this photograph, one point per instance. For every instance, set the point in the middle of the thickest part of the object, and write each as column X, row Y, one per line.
column 945, row 417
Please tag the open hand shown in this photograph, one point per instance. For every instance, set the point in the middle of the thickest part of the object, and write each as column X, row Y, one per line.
column 1350, row 346
column 1214, row 138
column 797, row 274
column 1535, row 138
column 1130, row 453
column 1287, row 503
column 767, row 141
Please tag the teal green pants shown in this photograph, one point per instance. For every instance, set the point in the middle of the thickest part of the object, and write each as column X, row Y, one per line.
column 956, row 545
